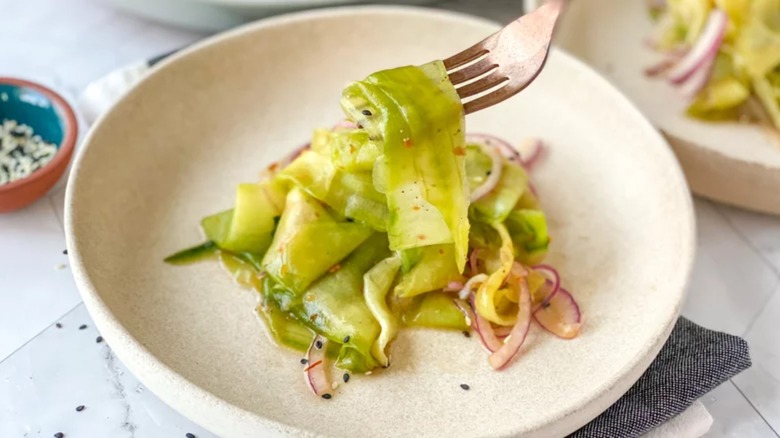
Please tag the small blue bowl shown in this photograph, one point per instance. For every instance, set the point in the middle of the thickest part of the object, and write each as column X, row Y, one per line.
column 50, row 116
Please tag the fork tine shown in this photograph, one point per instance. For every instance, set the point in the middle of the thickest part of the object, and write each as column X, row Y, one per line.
column 488, row 100
column 519, row 51
column 498, row 95
column 493, row 79
column 465, row 56
column 472, row 71
column 481, row 48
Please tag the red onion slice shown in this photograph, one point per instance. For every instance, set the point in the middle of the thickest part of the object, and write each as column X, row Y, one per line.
column 511, row 346
column 484, row 330
column 537, row 149
column 344, row 124
column 706, row 48
column 314, row 373
column 502, row 331
column 467, row 288
column 662, row 66
column 491, row 140
column 554, row 280
column 495, row 173
column 560, row 316
column 699, row 80
column 473, row 260
column 465, row 308
column 518, row 270
column 453, row 286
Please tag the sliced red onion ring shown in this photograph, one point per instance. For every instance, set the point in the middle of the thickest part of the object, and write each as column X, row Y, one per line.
column 554, row 281
column 495, row 173
column 502, row 331
column 537, row 148
column 466, row 290
column 491, row 140
column 699, row 80
column 501, row 357
column 453, row 286
column 473, row 259
column 560, row 316
column 706, row 48
column 519, row 270
column 484, row 330
column 344, row 124
column 465, row 308
column 662, row 66
column 314, row 373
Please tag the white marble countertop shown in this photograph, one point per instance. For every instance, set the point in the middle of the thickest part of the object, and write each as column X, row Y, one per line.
column 49, row 365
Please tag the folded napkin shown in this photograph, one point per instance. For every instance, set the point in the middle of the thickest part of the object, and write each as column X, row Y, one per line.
column 692, row 362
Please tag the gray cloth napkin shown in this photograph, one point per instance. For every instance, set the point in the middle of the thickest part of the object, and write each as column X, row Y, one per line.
column 692, row 362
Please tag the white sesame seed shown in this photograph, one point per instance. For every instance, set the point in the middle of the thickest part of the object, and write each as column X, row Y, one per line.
column 21, row 151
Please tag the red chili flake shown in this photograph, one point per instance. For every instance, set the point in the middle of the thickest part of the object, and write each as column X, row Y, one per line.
column 273, row 167
column 335, row 268
column 407, row 142
column 441, row 251
column 459, row 151
column 421, row 236
column 416, row 208
column 313, row 316
column 319, row 362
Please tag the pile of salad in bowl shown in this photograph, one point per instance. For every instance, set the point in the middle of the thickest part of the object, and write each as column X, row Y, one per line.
column 723, row 54
column 393, row 218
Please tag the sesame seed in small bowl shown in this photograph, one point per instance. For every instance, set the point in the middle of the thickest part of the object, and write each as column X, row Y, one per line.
column 38, row 132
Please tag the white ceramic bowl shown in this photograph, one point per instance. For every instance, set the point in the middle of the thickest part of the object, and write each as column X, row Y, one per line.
column 214, row 115
column 215, row 15
column 734, row 163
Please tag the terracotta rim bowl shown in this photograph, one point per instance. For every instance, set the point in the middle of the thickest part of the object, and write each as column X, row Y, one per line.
column 23, row 192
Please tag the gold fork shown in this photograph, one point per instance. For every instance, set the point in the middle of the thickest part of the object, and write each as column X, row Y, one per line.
column 505, row 62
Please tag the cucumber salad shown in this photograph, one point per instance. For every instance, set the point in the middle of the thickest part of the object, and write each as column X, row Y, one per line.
column 393, row 218
column 723, row 54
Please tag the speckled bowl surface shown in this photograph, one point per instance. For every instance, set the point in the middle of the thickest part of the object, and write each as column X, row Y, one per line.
column 214, row 115
column 51, row 117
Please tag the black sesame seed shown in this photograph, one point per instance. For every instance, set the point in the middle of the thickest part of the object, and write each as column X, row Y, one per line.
column 304, row 361
column 346, row 377
column 189, row 435
column 83, row 327
column 79, row 408
column 65, row 251
column 360, row 126
column 99, row 339
column 366, row 112
column 346, row 339
column 349, row 219
column 319, row 345
column 59, row 435
column 464, row 386
column 466, row 334
column 58, row 325
column 488, row 173
column 326, row 396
